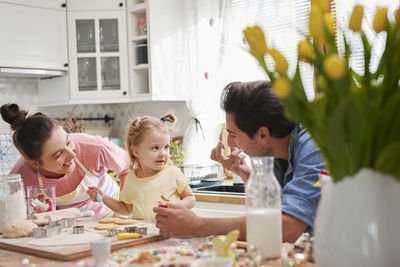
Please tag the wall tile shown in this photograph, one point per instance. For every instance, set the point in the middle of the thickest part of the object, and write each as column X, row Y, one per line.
column 24, row 92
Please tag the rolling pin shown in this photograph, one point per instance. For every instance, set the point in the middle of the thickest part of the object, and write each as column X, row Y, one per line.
column 56, row 215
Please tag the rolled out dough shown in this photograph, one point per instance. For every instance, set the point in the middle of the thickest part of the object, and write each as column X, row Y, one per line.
column 67, row 239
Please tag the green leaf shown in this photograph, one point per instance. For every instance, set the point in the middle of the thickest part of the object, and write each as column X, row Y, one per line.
column 388, row 160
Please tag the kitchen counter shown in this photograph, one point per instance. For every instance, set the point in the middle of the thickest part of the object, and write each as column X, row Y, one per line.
column 10, row 258
column 220, row 198
column 219, row 201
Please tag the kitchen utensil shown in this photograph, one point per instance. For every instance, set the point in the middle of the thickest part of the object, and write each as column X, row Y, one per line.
column 206, row 172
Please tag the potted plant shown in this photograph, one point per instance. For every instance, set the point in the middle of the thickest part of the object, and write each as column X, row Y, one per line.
column 355, row 120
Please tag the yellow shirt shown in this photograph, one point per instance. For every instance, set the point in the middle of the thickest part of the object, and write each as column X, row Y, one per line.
column 144, row 193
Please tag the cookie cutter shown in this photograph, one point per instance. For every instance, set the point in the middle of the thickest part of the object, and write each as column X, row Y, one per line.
column 141, row 230
column 68, row 222
column 64, row 223
column 114, row 232
column 46, row 231
column 131, row 229
column 78, row 229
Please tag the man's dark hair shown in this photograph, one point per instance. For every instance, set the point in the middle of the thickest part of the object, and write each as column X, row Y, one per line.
column 254, row 105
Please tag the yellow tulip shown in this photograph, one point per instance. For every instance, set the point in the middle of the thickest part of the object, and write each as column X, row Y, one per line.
column 281, row 64
column 397, row 18
column 329, row 22
column 256, row 40
column 380, row 19
column 334, row 67
column 322, row 4
column 282, row 88
column 316, row 24
column 305, row 50
column 356, row 18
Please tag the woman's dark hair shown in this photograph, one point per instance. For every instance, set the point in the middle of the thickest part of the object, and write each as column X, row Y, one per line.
column 30, row 132
column 254, row 105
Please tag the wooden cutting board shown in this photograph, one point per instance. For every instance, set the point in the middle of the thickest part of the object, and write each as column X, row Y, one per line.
column 79, row 250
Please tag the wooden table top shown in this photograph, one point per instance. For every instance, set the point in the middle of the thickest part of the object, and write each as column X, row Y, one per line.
column 11, row 258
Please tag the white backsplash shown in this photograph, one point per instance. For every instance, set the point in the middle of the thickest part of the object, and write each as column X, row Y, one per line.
column 8, row 153
column 24, row 92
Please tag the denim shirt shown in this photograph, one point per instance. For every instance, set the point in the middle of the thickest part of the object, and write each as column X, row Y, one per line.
column 299, row 196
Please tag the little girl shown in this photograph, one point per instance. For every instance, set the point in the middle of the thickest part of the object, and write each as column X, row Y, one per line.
column 154, row 178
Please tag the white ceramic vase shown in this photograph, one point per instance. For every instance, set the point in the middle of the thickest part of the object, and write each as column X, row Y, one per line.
column 358, row 222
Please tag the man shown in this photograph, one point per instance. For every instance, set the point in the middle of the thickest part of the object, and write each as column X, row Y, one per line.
column 257, row 126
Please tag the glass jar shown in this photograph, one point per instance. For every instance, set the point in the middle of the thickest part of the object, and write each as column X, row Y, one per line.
column 263, row 211
column 12, row 199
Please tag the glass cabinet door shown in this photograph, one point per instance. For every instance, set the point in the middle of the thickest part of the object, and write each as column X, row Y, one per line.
column 110, row 74
column 99, row 68
column 87, row 76
column 85, row 36
column 86, row 43
column 108, row 30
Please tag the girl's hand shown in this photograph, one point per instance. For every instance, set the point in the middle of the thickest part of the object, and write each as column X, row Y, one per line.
column 93, row 191
column 164, row 202
column 175, row 203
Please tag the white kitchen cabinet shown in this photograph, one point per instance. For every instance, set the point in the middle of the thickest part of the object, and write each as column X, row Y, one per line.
column 219, row 205
column 152, row 74
column 98, row 56
column 33, row 34
column 112, row 72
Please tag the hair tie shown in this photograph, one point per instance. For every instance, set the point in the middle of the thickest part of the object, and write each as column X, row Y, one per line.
column 163, row 119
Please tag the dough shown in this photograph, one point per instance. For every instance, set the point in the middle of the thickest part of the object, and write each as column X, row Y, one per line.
column 106, row 226
column 108, row 220
column 125, row 221
column 18, row 228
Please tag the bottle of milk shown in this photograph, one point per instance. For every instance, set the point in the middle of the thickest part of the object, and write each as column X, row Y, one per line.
column 263, row 211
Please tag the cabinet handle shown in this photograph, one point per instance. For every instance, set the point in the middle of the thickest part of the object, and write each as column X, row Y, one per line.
column 63, row 5
column 121, row 4
column 124, row 92
column 66, row 65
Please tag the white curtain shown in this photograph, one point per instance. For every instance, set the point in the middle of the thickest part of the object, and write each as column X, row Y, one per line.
column 215, row 45
column 284, row 22
column 202, row 43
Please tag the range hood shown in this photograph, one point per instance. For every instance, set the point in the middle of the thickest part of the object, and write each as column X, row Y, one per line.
column 30, row 73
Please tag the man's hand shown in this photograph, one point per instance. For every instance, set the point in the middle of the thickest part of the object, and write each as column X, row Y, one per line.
column 176, row 221
column 234, row 162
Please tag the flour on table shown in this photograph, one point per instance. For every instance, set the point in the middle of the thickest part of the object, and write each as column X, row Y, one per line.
column 67, row 239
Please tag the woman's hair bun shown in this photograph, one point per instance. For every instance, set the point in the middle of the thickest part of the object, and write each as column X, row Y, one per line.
column 12, row 114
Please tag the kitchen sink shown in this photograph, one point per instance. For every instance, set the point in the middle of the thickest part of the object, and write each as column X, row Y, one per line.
column 226, row 189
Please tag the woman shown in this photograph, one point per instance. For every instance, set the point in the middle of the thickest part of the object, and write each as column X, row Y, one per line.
column 71, row 162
